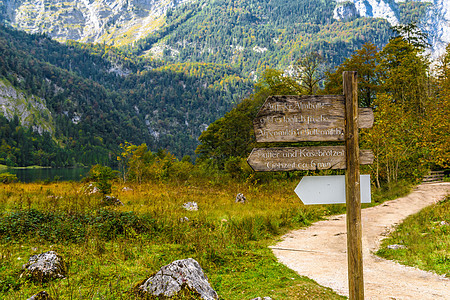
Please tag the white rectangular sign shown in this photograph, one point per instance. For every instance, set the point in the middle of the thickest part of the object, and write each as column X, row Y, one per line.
column 329, row 189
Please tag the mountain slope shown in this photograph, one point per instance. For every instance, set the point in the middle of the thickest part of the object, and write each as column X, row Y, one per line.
column 97, row 100
column 198, row 24
column 115, row 22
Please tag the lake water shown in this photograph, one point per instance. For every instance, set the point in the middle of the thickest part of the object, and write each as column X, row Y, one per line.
column 63, row 174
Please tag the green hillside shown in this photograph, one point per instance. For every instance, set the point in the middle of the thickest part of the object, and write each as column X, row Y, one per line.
column 165, row 89
column 99, row 98
column 254, row 35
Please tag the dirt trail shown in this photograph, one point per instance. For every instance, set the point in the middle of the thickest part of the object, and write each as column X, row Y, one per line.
column 319, row 251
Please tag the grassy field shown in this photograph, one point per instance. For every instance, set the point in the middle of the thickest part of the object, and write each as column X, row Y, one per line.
column 109, row 249
column 424, row 240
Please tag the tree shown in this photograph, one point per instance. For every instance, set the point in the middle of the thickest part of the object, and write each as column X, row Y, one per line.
column 364, row 61
column 403, row 73
column 310, row 72
column 102, row 176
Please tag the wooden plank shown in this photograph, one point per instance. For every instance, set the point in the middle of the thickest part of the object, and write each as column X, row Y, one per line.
column 353, row 196
column 365, row 117
column 302, row 158
column 300, row 118
column 304, row 118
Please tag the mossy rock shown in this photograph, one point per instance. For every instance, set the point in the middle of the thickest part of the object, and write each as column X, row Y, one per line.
column 44, row 267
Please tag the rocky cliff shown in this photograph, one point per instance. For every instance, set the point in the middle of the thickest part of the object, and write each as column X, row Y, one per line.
column 436, row 23
column 115, row 22
column 121, row 22
column 31, row 110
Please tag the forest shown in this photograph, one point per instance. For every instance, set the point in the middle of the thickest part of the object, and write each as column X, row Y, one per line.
column 409, row 95
column 165, row 106
column 214, row 53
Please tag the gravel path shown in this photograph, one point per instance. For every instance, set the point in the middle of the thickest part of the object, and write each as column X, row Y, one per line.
column 319, row 251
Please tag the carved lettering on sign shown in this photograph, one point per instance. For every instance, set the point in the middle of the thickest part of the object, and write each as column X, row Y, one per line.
column 302, row 158
column 304, row 118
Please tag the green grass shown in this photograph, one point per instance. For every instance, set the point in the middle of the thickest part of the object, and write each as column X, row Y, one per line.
column 110, row 249
column 426, row 237
column 390, row 192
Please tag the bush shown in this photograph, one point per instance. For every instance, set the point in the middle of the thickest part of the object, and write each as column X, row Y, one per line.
column 8, row 178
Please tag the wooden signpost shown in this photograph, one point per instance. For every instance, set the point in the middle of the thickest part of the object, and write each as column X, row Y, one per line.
column 321, row 118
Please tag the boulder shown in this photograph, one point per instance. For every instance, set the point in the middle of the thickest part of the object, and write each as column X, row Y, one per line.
column 240, row 198
column 193, row 206
column 110, row 200
column 182, row 278
column 44, row 267
column 41, row 296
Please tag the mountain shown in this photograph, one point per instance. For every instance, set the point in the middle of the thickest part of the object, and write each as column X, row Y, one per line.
column 91, row 98
column 432, row 16
column 124, row 22
column 160, row 72
column 114, row 22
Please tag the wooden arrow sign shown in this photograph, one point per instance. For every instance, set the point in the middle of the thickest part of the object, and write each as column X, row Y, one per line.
column 302, row 158
column 329, row 189
column 304, row 118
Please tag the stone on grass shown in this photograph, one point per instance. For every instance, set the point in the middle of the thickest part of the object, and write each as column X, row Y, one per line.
column 41, row 296
column 44, row 267
column 110, row 200
column 396, row 247
column 193, row 206
column 184, row 219
column 91, row 189
column 263, row 298
column 181, row 278
column 240, row 198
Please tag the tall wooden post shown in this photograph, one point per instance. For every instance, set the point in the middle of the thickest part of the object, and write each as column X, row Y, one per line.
column 353, row 196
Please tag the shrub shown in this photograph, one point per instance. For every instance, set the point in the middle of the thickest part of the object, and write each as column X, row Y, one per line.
column 8, row 177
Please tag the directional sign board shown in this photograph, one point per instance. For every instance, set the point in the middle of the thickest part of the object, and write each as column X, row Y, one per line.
column 329, row 189
column 302, row 158
column 304, row 118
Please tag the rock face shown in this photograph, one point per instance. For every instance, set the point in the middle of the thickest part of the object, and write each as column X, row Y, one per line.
column 45, row 266
column 15, row 102
column 109, row 21
column 181, row 276
column 386, row 9
column 345, row 11
column 437, row 25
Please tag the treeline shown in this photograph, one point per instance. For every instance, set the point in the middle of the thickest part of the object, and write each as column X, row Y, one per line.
column 21, row 146
column 411, row 103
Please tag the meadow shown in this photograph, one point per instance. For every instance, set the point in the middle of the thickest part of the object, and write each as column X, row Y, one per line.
column 109, row 249
column 423, row 239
